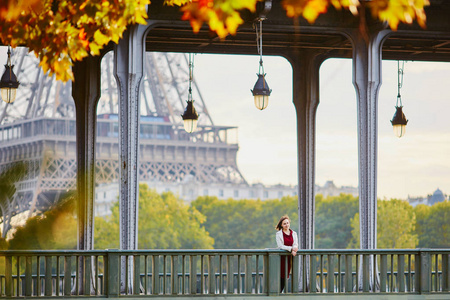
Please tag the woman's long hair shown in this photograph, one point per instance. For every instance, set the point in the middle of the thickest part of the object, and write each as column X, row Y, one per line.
column 278, row 227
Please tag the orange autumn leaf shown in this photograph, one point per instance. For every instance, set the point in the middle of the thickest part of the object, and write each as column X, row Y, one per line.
column 311, row 9
column 222, row 16
column 69, row 31
column 399, row 11
column 314, row 8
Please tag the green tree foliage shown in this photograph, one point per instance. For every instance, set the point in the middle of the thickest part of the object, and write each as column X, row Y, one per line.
column 53, row 229
column 245, row 224
column 433, row 226
column 106, row 230
column 396, row 223
column 165, row 222
column 333, row 220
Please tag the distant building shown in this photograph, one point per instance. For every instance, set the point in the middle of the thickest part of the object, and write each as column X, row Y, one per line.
column 189, row 190
column 436, row 197
column 330, row 189
column 414, row 201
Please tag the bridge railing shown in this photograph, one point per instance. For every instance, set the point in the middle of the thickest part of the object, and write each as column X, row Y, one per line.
column 65, row 128
column 114, row 273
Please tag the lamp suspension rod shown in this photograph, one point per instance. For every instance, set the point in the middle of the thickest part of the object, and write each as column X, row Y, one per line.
column 259, row 44
column 399, row 81
column 191, row 75
column 8, row 62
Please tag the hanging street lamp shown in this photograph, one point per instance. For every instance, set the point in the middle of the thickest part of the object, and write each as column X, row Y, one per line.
column 261, row 90
column 190, row 115
column 8, row 82
column 399, row 120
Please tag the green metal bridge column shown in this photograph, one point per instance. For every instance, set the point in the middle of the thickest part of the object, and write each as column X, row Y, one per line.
column 86, row 93
column 128, row 71
column 367, row 52
column 305, row 66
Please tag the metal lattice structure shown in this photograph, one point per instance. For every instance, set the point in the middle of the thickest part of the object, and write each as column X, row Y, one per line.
column 39, row 128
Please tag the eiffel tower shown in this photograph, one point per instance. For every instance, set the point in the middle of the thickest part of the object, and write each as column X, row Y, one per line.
column 39, row 129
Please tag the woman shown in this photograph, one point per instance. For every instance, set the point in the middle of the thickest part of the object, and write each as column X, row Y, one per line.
column 286, row 240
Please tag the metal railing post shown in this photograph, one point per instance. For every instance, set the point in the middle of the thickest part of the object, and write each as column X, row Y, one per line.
column 366, row 273
column 295, row 274
column 401, row 272
column 273, row 279
column 8, row 276
column 193, row 274
column 28, row 276
column 211, row 275
column 330, row 274
column 48, row 276
column 445, row 272
column 348, row 279
column 230, row 288
column 248, row 274
column 155, row 275
column 67, row 275
column 87, row 274
column 137, row 274
column 112, row 273
column 425, row 272
column 312, row 273
column 174, row 274
column 383, row 273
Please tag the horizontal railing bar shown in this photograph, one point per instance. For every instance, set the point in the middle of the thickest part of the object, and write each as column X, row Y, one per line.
column 220, row 251
column 179, row 274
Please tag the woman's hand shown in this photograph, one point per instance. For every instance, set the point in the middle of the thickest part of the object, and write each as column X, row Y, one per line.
column 294, row 251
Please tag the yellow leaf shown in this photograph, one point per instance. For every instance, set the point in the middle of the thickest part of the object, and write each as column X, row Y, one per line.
column 294, row 8
column 100, row 38
column 217, row 25
column 176, row 2
column 141, row 19
column 95, row 48
column 241, row 4
column 313, row 8
column 233, row 22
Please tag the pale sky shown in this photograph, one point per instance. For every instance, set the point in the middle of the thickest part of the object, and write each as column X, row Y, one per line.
column 416, row 164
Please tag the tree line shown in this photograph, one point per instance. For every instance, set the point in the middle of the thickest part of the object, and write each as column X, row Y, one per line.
column 167, row 222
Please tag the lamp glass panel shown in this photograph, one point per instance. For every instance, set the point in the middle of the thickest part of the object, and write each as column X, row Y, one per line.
column 261, row 101
column 399, row 130
column 8, row 94
column 190, row 125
